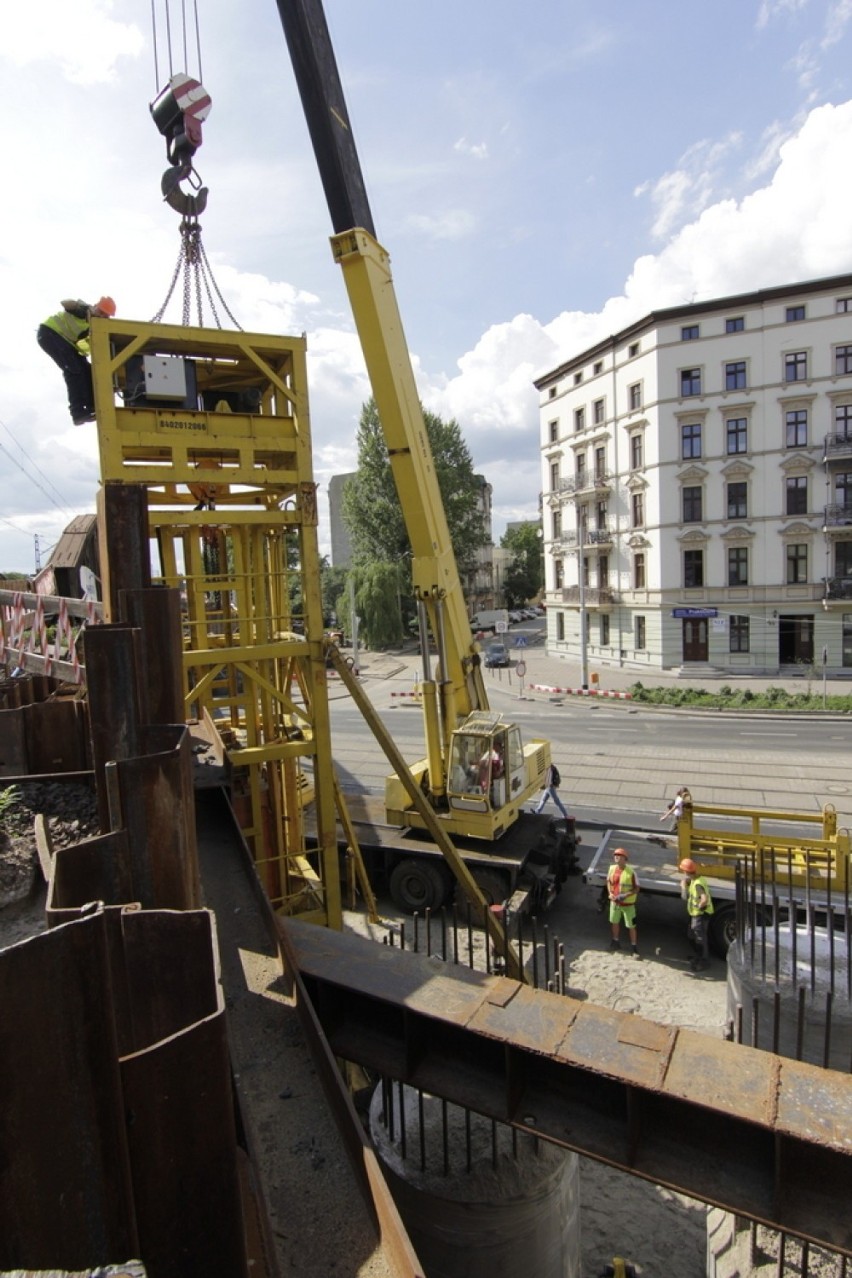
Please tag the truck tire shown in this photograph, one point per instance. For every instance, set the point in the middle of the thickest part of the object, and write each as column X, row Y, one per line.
column 416, row 886
column 723, row 926
column 493, row 885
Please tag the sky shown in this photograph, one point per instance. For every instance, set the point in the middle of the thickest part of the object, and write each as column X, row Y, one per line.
column 541, row 178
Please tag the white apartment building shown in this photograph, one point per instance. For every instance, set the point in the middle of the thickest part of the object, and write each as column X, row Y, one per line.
column 697, row 488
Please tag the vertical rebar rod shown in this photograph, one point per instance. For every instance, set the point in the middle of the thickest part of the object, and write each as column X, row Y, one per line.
column 444, row 933
column 455, row 934
column 776, row 934
column 427, row 922
column 779, row 1262
column 755, row 1021
column 487, row 939
column 546, row 948
column 402, row 1131
column 534, row 943
column 826, row 1044
column 776, row 1019
column 469, row 936
column 521, row 946
column 416, row 933
column 557, row 983
column 739, row 1023
column 402, row 936
column 421, row 1120
column 800, row 1024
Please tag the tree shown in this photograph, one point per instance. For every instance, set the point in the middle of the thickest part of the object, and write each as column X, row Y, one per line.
column 371, row 507
column 333, row 583
column 524, row 576
column 378, row 604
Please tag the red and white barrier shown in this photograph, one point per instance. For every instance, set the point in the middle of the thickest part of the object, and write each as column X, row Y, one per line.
column 582, row 692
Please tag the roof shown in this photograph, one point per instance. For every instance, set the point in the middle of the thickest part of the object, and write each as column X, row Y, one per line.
column 71, row 547
column 734, row 301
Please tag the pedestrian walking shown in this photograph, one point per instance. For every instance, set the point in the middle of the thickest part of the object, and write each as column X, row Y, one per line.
column 65, row 338
column 622, row 888
column 549, row 790
column 699, row 907
column 675, row 808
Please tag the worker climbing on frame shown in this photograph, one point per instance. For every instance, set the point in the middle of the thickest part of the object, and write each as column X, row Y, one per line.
column 65, row 338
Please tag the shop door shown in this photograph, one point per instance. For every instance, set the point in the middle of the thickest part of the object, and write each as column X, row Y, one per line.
column 795, row 640
column 695, row 639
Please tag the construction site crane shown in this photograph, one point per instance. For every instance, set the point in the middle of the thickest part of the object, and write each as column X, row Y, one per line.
column 477, row 771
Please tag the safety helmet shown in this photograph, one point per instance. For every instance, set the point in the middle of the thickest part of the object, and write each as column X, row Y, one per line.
column 621, row 852
column 107, row 305
column 688, row 866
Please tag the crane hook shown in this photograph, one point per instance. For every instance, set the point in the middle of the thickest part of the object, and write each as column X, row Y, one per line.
column 179, row 110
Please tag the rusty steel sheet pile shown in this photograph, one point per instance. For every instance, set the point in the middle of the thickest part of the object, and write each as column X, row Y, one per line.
column 117, row 1131
column 754, row 1133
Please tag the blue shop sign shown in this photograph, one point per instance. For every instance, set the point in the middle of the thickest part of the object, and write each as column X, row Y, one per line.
column 695, row 613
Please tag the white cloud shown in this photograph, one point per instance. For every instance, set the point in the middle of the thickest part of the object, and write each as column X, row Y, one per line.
column 687, row 190
column 453, row 224
column 479, row 150
column 80, row 38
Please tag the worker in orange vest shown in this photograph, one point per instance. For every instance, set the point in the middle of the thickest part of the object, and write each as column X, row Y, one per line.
column 622, row 888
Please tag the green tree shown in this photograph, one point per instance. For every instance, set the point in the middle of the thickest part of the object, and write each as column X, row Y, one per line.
column 524, row 576
column 377, row 603
column 371, row 508
column 333, row 583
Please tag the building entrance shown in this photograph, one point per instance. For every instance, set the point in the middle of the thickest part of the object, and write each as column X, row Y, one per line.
column 795, row 640
column 695, row 639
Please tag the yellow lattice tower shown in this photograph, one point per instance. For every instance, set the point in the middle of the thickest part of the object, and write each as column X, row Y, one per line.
column 215, row 426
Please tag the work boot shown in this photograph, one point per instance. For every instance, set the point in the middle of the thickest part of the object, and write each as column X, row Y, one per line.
column 614, row 945
column 636, row 953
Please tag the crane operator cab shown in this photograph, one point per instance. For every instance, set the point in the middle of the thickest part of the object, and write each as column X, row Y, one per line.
column 486, row 764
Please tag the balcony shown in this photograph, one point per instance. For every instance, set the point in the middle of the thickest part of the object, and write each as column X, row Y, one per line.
column 838, row 588
column 585, row 537
column 588, row 482
column 837, row 517
column 837, row 448
column 593, row 596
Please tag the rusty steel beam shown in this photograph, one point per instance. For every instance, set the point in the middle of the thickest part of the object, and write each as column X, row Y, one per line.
column 123, row 536
column 756, row 1134
column 114, row 720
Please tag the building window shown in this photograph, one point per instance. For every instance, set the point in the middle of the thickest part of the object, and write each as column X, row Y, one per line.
column 604, row 632
column 738, row 634
column 579, row 418
column 796, row 367
column 843, row 420
column 842, row 305
column 738, row 565
column 693, row 569
column 556, row 524
column 554, row 477
column 633, row 349
column 690, row 381
column 598, row 411
column 690, row 440
column 843, row 489
column 600, row 464
column 797, row 427
column 797, row 495
column 639, row 571
column 639, row 633
column 738, row 500
column 580, row 469
column 842, row 359
column 635, row 452
column 560, row 626
column 689, row 333
column 634, row 396
column 794, row 313
column 692, row 504
column 598, row 367
column 637, row 510
column 735, row 324
column 603, row 572
column 797, row 564
column 551, row 394
column 735, row 375
column 553, row 431
column 737, row 435
column 558, row 573
column 578, row 377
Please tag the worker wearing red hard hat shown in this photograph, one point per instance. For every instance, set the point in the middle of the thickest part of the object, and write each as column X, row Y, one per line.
column 64, row 337
column 699, row 907
column 622, row 888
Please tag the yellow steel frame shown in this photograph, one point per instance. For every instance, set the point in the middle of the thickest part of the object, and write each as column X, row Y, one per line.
column 232, row 516
column 819, row 858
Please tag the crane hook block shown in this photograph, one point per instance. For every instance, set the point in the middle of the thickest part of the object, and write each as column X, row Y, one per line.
column 179, row 110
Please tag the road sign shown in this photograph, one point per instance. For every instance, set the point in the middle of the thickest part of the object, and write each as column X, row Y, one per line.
column 521, row 669
column 521, row 641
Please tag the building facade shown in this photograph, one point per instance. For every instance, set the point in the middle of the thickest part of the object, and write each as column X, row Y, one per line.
column 697, row 488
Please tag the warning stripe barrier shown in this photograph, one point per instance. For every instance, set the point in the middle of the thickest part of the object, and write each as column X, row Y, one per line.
column 417, row 694
column 582, row 692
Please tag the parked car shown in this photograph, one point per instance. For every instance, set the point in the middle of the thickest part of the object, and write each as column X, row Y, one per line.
column 515, row 617
column 496, row 654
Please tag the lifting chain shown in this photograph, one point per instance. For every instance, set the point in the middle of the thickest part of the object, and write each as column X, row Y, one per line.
column 192, row 262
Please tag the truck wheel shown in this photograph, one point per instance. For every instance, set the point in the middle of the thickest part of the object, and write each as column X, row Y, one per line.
column 723, row 929
column 493, row 885
column 416, row 886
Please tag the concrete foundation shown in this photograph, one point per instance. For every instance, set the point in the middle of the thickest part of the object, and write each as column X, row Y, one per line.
column 477, row 1200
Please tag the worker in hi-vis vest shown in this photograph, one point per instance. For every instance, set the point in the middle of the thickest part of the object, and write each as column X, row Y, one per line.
column 64, row 337
column 622, row 888
column 699, row 907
